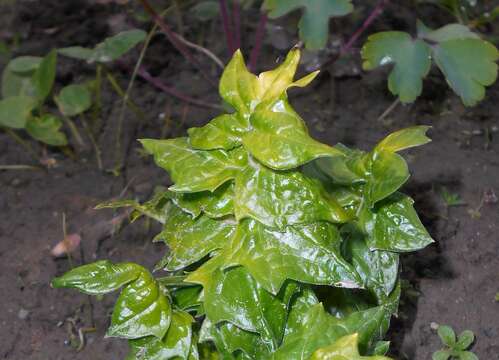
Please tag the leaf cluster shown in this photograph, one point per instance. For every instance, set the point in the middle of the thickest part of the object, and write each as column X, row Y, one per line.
column 28, row 81
column 280, row 247
column 455, row 347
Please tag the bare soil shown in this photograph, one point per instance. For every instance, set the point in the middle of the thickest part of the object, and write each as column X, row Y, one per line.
column 453, row 282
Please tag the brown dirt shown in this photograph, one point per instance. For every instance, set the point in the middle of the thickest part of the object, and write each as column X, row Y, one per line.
column 452, row 282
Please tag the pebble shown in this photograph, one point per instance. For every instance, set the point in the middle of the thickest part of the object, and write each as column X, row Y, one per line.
column 23, row 314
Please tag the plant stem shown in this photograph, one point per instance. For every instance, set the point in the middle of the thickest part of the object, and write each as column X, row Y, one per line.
column 19, row 167
column 74, row 131
column 389, row 109
column 21, row 142
column 236, row 16
column 257, row 44
column 117, row 88
column 144, row 74
column 175, row 41
column 98, row 97
column 378, row 10
column 92, row 140
column 229, row 35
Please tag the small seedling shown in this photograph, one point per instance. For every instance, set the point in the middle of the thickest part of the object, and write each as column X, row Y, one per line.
column 454, row 348
column 451, row 199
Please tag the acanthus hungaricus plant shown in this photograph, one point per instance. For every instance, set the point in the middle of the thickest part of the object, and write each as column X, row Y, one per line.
column 280, row 247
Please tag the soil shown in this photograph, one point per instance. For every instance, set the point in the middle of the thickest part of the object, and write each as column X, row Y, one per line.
column 453, row 282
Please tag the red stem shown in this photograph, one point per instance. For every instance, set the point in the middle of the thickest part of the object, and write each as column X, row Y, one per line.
column 144, row 74
column 172, row 37
column 236, row 15
column 260, row 32
column 229, row 35
column 377, row 11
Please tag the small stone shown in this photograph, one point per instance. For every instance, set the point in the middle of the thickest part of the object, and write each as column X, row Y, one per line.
column 434, row 325
column 23, row 314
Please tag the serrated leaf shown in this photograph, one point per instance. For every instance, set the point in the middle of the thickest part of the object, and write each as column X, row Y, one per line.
column 411, row 59
column 308, row 254
column 447, row 335
column 469, row 65
column 378, row 269
column 44, row 76
column 278, row 199
column 345, row 348
column 46, row 129
column 465, row 339
column 234, row 296
column 24, row 64
column 15, row 111
column 314, row 23
column 223, row 132
column 447, row 32
column 176, row 343
column 192, row 239
column 216, row 204
column 98, row 278
column 74, row 99
column 142, row 309
column 393, row 225
column 319, row 329
column 404, row 139
column 279, row 138
column 195, row 170
column 441, row 355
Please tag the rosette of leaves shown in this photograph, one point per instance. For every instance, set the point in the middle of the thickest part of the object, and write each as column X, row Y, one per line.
column 467, row 62
column 280, row 247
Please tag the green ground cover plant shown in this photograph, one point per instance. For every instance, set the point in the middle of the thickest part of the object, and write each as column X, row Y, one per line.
column 279, row 246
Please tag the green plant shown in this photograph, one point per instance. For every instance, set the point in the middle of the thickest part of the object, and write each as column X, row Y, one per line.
column 280, row 247
column 454, row 348
column 467, row 62
column 27, row 83
column 451, row 199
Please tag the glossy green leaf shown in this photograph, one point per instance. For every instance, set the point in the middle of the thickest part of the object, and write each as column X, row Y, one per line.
column 393, row 225
column 223, row 132
column 44, row 76
column 112, row 48
column 195, row 170
column 15, row 111
column 441, row 355
column 176, row 343
column 345, row 348
column 469, row 65
column 299, row 307
column 74, row 99
column 319, row 329
column 314, row 23
column 404, row 139
column 24, row 64
column 216, row 204
column 308, row 254
column 342, row 169
column 447, row 335
column 465, row 339
column 98, row 278
column 187, row 298
column 230, row 339
column 378, row 269
column 279, row 138
column 192, row 239
column 234, row 296
column 278, row 199
column 411, row 59
column 142, row 309
column 245, row 91
column 46, row 129
column 156, row 208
